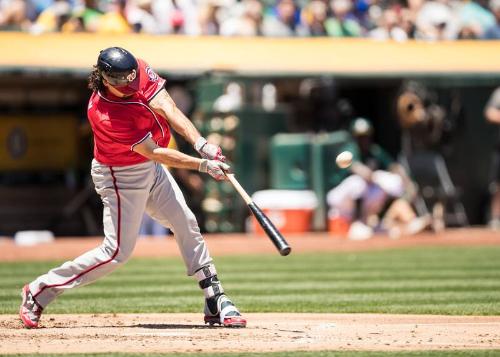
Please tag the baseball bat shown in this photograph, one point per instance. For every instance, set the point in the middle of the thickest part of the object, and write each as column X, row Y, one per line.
column 272, row 232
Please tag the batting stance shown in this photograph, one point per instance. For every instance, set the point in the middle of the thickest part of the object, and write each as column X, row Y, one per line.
column 131, row 115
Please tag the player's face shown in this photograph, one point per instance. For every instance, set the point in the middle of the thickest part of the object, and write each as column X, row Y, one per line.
column 126, row 84
column 119, row 91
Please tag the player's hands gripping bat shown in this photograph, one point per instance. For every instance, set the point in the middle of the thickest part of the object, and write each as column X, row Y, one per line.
column 214, row 168
column 272, row 232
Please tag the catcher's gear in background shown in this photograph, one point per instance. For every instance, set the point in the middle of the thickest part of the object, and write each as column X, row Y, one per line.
column 214, row 168
column 208, row 151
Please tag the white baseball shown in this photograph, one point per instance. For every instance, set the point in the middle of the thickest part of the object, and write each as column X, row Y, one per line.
column 344, row 159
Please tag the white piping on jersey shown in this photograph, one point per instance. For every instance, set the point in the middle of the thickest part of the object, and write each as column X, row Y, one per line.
column 158, row 91
column 148, row 135
column 144, row 105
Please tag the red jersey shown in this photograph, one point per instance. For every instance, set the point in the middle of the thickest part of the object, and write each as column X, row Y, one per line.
column 121, row 123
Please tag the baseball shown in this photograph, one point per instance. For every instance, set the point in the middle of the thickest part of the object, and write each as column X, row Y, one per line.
column 344, row 159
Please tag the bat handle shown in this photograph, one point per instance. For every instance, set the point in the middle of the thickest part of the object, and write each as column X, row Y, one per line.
column 238, row 188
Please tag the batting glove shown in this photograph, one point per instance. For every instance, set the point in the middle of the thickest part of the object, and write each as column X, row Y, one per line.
column 214, row 168
column 208, row 151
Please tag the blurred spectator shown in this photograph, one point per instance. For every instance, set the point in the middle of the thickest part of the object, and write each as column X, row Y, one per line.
column 362, row 10
column 407, row 23
column 437, row 20
column 35, row 7
column 246, row 20
column 176, row 16
column 493, row 32
column 140, row 17
column 114, row 19
column 388, row 28
column 314, row 17
column 13, row 15
column 492, row 114
column 53, row 17
column 469, row 32
column 474, row 19
column 375, row 178
column 85, row 17
column 283, row 20
column 208, row 18
column 74, row 24
column 397, row 20
column 343, row 22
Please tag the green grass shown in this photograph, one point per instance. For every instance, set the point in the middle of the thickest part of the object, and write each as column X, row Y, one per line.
column 459, row 281
column 476, row 353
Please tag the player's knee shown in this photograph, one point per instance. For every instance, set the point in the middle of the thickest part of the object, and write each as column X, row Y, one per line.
column 355, row 185
column 118, row 255
column 349, row 189
column 122, row 256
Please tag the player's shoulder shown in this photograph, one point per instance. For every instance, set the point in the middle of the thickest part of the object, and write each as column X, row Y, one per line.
column 97, row 102
column 150, row 82
column 94, row 98
column 147, row 71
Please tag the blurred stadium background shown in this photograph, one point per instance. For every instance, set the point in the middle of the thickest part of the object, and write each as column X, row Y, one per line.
column 276, row 83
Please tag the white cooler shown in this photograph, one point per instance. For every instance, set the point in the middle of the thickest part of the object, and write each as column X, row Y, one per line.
column 290, row 211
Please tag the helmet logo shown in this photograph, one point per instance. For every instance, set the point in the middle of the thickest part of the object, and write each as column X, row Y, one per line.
column 132, row 75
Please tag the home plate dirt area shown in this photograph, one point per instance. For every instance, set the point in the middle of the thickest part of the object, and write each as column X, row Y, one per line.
column 149, row 333
column 266, row 332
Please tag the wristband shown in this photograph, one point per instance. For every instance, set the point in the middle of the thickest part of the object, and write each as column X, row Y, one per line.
column 200, row 143
column 203, row 166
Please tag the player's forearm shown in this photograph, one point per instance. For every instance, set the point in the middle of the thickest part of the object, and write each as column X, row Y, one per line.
column 176, row 159
column 182, row 125
column 162, row 103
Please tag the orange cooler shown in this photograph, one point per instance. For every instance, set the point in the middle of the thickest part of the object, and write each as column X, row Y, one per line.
column 338, row 226
column 290, row 211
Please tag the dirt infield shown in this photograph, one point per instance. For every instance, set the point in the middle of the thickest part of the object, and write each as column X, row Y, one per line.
column 154, row 333
column 234, row 244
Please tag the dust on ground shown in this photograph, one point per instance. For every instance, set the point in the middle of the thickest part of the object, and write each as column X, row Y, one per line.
column 161, row 333
column 157, row 333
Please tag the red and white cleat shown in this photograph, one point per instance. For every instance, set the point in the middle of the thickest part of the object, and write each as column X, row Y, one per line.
column 229, row 321
column 29, row 311
column 220, row 310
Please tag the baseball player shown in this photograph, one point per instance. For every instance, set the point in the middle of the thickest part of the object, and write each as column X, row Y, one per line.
column 131, row 115
column 375, row 178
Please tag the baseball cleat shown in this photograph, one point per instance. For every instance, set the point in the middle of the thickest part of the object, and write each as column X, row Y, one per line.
column 230, row 321
column 29, row 311
column 220, row 310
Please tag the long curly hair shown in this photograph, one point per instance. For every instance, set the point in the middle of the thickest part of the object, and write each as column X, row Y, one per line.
column 95, row 80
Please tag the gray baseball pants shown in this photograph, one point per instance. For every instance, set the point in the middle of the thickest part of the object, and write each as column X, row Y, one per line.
column 126, row 192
